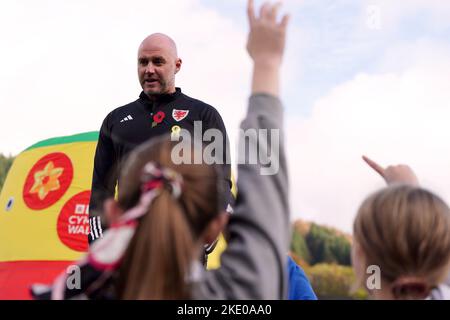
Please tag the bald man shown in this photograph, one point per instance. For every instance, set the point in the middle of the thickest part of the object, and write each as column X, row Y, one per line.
column 158, row 63
column 161, row 109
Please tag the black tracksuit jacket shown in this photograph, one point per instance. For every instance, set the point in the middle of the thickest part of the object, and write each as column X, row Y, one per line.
column 128, row 126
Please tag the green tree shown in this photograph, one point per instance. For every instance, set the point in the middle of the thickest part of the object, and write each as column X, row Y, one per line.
column 299, row 247
column 341, row 249
column 332, row 281
column 5, row 164
column 325, row 246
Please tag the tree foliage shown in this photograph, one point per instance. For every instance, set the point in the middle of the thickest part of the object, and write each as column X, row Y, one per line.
column 299, row 247
column 5, row 164
column 332, row 281
column 321, row 245
column 326, row 246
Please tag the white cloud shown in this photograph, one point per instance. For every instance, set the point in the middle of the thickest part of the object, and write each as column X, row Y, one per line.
column 434, row 13
column 399, row 117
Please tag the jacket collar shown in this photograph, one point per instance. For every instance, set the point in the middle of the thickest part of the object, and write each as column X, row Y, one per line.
column 164, row 98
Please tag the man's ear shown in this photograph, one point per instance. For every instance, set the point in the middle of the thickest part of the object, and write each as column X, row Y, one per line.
column 215, row 227
column 112, row 211
column 178, row 64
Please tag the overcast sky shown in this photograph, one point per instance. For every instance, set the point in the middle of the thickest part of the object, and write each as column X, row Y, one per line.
column 359, row 77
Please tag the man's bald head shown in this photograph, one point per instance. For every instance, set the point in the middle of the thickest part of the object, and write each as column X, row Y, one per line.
column 160, row 41
column 158, row 63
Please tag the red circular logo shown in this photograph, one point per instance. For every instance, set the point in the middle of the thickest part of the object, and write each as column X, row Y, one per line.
column 47, row 181
column 73, row 222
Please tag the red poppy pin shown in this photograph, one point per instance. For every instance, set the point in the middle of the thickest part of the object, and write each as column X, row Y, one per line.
column 158, row 118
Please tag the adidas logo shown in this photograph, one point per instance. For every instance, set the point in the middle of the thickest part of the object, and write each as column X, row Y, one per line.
column 127, row 118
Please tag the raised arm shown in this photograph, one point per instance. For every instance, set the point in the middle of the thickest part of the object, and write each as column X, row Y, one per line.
column 254, row 264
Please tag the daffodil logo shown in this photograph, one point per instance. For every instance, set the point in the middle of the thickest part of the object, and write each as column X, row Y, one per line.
column 47, row 181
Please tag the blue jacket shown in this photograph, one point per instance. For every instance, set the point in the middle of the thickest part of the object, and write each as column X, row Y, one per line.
column 299, row 286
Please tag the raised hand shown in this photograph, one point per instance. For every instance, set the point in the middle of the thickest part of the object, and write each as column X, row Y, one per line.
column 265, row 45
column 267, row 37
column 394, row 174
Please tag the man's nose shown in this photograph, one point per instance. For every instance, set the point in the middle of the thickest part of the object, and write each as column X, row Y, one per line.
column 150, row 68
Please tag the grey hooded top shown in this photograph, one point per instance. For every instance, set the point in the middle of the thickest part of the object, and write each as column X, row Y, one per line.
column 254, row 264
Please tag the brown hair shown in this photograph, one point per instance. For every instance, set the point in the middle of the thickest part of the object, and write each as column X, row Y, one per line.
column 160, row 255
column 405, row 231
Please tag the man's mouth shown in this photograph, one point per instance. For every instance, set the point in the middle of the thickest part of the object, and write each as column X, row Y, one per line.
column 150, row 81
